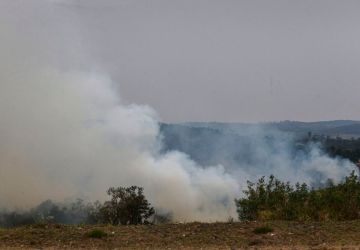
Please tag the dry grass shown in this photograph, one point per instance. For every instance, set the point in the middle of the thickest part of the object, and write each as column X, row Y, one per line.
column 286, row 235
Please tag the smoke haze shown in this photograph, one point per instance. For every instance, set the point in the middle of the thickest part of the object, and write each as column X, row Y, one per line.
column 65, row 132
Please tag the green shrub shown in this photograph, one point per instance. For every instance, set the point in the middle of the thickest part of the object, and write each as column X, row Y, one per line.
column 97, row 233
column 263, row 230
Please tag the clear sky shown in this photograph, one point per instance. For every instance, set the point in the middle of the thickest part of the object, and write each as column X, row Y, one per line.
column 209, row 60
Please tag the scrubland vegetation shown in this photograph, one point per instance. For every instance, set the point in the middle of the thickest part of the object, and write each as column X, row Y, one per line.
column 266, row 200
column 126, row 206
column 277, row 200
column 272, row 213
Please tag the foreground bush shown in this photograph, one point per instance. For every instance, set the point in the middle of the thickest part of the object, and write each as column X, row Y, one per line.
column 276, row 200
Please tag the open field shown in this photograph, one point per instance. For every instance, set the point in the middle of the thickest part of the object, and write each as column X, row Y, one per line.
column 285, row 235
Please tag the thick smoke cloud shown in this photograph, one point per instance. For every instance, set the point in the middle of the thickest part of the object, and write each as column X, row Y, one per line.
column 68, row 134
column 65, row 132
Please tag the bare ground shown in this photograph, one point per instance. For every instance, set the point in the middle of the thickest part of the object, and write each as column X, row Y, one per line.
column 286, row 235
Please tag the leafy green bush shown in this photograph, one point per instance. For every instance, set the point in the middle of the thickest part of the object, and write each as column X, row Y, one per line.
column 276, row 200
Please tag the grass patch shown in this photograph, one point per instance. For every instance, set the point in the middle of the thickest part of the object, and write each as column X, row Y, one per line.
column 97, row 234
column 263, row 230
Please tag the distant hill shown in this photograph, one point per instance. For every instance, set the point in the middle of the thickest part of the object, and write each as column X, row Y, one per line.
column 213, row 143
column 205, row 145
column 342, row 128
column 352, row 129
column 331, row 128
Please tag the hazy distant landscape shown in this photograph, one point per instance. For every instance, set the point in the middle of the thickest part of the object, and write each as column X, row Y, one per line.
column 337, row 128
column 212, row 143
column 152, row 124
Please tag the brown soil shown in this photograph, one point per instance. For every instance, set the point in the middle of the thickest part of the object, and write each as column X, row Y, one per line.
column 285, row 235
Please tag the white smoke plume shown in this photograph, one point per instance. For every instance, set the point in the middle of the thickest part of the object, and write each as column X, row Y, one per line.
column 68, row 134
column 64, row 131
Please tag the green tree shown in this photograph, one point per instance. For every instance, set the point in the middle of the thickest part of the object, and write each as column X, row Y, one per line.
column 127, row 206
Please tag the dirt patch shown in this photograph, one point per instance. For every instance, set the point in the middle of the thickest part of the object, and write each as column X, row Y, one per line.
column 285, row 235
